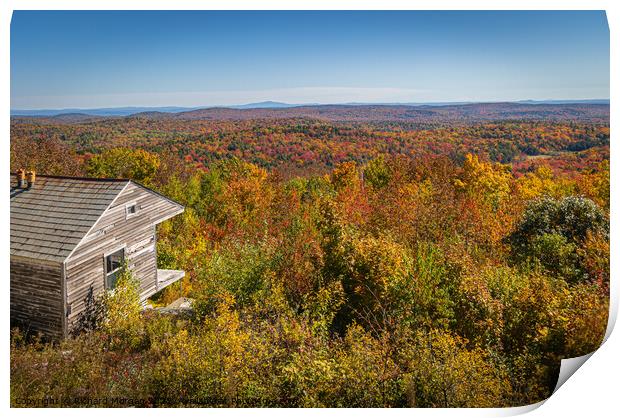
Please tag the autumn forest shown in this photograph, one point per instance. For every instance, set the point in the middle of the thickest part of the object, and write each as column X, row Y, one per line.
column 360, row 256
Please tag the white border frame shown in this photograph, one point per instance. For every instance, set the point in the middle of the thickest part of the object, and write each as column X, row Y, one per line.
column 592, row 392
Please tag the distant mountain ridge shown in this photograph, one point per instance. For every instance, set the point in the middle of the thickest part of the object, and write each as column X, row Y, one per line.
column 132, row 110
column 476, row 112
column 425, row 114
column 266, row 105
column 105, row 111
column 135, row 110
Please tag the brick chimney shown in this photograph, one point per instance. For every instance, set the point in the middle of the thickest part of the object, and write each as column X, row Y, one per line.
column 30, row 178
column 21, row 178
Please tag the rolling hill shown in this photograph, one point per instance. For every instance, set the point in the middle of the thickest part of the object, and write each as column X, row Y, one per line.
column 477, row 112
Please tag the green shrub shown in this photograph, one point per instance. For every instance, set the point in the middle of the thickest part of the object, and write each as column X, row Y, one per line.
column 551, row 231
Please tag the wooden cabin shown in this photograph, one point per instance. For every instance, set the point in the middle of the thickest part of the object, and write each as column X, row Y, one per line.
column 70, row 235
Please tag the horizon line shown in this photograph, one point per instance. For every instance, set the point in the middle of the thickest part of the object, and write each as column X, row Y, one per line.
column 281, row 103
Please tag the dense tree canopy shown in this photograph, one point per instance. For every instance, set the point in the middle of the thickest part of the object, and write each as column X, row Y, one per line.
column 415, row 268
column 302, row 146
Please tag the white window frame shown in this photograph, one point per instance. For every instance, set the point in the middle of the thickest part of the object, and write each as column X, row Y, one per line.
column 105, row 265
column 127, row 206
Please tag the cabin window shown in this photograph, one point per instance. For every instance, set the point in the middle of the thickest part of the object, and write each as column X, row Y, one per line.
column 113, row 263
column 131, row 209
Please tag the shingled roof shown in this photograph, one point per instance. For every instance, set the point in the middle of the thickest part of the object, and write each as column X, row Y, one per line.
column 49, row 219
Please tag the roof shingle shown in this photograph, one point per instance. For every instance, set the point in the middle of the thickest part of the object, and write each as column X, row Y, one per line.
column 49, row 219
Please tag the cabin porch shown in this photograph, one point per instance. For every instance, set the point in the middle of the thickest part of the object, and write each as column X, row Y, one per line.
column 166, row 277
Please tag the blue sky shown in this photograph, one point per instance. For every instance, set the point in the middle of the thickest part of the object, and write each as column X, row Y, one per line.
column 63, row 59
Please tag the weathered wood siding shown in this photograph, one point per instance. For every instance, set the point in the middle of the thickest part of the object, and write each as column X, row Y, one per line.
column 36, row 296
column 114, row 230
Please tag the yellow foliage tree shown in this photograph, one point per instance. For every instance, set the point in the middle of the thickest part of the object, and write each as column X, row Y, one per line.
column 135, row 164
column 122, row 320
column 487, row 182
column 542, row 182
column 445, row 373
